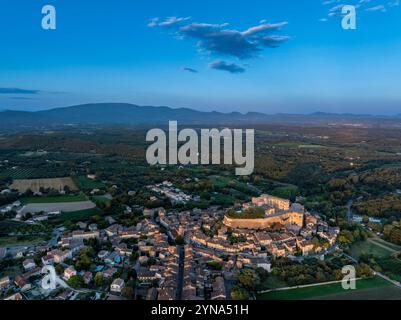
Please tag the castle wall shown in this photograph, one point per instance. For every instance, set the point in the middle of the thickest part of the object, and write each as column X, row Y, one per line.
column 287, row 218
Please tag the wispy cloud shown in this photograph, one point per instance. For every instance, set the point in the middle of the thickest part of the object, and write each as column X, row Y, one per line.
column 394, row 3
column 220, row 40
column 22, row 98
column 190, row 70
column 168, row 22
column 226, row 66
column 18, row 91
column 335, row 6
column 381, row 8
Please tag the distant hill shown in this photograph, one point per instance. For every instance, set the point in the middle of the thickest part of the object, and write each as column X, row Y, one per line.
column 118, row 113
column 129, row 114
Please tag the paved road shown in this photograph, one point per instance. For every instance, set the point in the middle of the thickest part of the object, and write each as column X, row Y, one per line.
column 180, row 280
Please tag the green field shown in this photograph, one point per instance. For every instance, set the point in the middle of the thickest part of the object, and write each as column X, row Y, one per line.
column 76, row 215
column 55, row 199
column 87, row 184
column 366, row 287
column 367, row 248
column 390, row 245
column 382, row 253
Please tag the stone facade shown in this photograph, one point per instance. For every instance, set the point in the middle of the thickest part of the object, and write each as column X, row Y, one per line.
column 286, row 218
column 271, row 201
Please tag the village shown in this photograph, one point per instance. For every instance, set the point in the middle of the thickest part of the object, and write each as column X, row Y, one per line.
column 188, row 255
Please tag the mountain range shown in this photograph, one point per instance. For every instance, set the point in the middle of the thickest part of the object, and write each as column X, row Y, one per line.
column 129, row 114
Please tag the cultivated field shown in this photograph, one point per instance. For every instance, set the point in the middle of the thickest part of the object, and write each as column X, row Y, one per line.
column 372, row 288
column 87, row 184
column 60, row 206
column 55, row 199
column 36, row 184
column 383, row 293
column 75, row 216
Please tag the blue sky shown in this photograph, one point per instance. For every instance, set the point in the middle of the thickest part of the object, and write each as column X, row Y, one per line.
column 270, row 56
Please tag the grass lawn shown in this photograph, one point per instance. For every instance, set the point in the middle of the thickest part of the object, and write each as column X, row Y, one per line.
column 328, row 290
column 55, row 199
column 366, row 247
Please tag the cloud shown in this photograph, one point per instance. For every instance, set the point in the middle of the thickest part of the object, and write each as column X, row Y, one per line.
column 327, row 2
column 394, row 3
column 190, row 70
column 263, row 27
column 18, row 91
column 217, row 39
column 336, row 10
column 381, row 8
column 364, row 5
column 21, row 98
column 220, row 40
column 226, row 66
column 274, row 41
column 168, row 22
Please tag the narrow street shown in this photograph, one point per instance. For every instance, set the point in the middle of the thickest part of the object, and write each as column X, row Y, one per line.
column 180, row 276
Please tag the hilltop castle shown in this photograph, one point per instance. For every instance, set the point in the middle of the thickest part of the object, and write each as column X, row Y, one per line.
column 276, row 210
